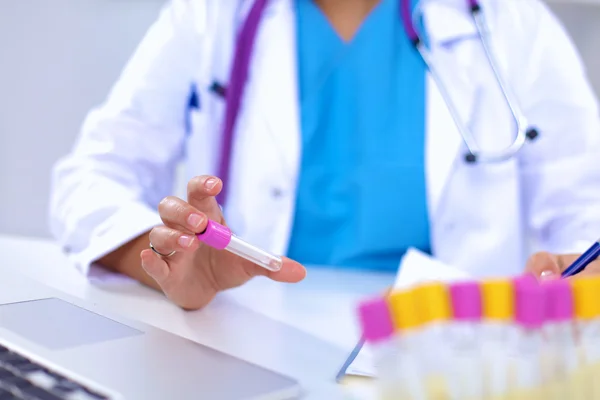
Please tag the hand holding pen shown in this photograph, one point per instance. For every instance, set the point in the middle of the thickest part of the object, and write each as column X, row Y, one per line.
column 193, row 256
column 551, row 266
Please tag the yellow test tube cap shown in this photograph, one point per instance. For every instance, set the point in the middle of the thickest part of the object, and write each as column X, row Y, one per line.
column 433, row 300
column 404, row 310
column 498, row 299
column 586, row 296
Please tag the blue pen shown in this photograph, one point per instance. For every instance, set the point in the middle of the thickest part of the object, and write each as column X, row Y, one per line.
column 583, row 261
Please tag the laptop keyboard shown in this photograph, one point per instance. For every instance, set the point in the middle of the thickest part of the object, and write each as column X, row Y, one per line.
column 23, row 379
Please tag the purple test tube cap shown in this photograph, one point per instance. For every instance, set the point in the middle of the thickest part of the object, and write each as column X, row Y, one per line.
column 530, row 304
column 466, row 301
column 375, row 320
column 559, row 300
column 215, row 235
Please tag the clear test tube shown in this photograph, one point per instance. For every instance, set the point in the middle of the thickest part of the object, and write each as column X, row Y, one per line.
column 586, row 294
column 433, row 302
column 530, row 315
column 498, row 333
column 409, row 339
column 378, row 332
column 220, row 237
column 465, row 340
column 560, row 356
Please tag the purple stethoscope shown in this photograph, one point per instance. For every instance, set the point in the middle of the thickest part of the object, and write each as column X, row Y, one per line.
column 241, row 62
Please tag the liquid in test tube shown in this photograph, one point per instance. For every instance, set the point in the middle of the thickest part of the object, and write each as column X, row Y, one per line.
column 221, row 238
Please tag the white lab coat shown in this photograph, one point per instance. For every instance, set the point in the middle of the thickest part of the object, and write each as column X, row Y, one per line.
column 107, row 190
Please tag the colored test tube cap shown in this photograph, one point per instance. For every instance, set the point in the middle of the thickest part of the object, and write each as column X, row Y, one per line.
column 375, row 320
column 433, row 301
column 528, row 277
column 559, row 300
column 215, row 235
column 586, row 296
column 466, row 301
column 498, row 299
column 404, row 308
column 530, row 304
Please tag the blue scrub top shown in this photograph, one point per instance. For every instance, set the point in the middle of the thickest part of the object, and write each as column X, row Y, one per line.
column 361, row 196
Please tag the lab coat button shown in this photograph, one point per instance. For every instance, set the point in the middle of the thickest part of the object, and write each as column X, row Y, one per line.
column 277, row 193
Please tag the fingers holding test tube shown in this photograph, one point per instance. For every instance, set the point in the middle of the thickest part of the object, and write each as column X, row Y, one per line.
column 194, row 255
column 220, row 237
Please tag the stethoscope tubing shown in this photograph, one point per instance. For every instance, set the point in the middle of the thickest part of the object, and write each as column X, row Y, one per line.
column 474, row 152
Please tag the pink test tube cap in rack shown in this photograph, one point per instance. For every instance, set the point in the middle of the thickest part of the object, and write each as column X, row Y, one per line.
column 466, row 301
column 527, row 277
column 530, row 304
column 559, row 300
column 375, row 320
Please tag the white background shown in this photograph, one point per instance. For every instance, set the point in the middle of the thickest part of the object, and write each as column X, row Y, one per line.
column 58, row 58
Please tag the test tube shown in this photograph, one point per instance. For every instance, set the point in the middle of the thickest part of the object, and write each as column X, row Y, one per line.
column 220, row 237
column 586, row 294
column 560, row 357
column 410, row 342
column 530, row 314
column 378, row 331
column 464, row 336
column 433, row 301
column 498, row 333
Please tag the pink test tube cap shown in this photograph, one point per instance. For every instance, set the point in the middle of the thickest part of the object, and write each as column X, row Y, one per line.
column 466, row 301
column 527, row 277
column 215, row 235
column 559, row 300
column 530, row 303
column 375, row 320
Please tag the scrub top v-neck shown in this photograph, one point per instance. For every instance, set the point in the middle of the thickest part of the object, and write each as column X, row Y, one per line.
column 361, row 195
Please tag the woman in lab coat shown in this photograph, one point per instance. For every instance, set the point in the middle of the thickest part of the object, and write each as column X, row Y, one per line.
column 343, row 150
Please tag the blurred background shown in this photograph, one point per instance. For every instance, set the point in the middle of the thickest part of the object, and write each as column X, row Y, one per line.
column 59, row 58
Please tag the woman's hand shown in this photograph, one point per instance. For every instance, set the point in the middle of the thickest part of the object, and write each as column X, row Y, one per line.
column 195, row 273
column 549, row 266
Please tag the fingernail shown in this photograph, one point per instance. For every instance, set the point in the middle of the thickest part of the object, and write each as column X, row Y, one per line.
column 194, row 221
column 211, row 183
column 185, row 241
column 547, row 275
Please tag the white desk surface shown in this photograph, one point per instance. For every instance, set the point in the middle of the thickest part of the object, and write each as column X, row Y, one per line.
column 304, row 330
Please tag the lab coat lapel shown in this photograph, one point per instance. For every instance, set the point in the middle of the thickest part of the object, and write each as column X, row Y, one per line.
column 452, row 41
column 274, row 70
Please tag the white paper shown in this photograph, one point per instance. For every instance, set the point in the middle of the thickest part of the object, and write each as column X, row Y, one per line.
column 415, row 267
column 363, row 364
column 418, row 267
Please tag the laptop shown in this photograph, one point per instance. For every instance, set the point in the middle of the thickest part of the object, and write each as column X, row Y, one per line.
column 55, row 347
